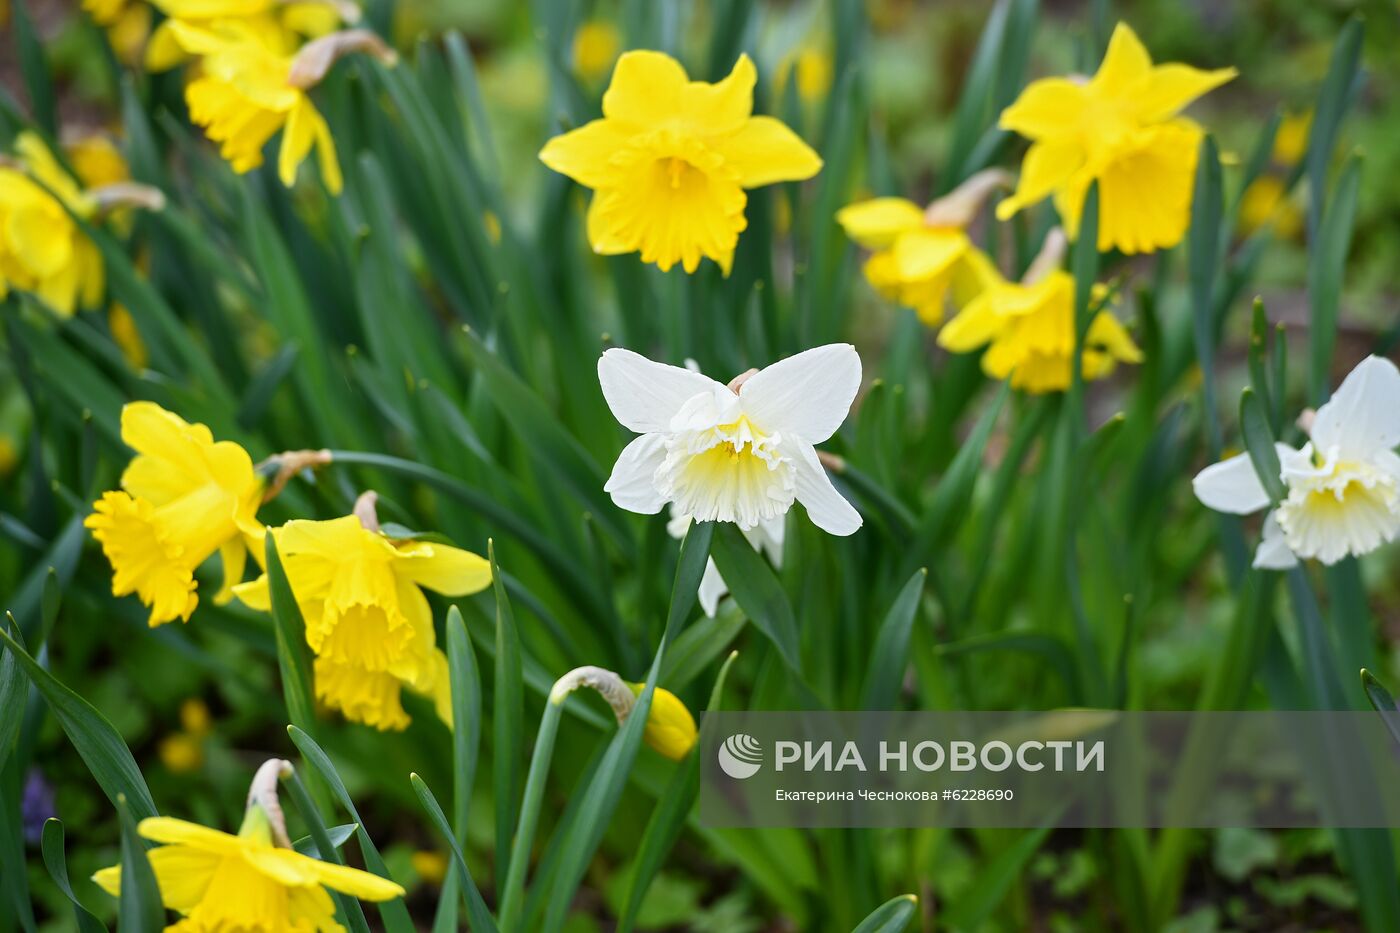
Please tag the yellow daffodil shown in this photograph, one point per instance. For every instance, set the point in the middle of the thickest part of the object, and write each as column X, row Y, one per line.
column 253, row 881
column 1291, row 140
column 243, row 96
column 183, row 752
column 917, row 255
column 1028, row 329
column 96, row 160
column 670, row 729
column 596, row 44
column 42, row 249
column 812, row 68
column 127, row 24
column 1120, row 128
column 184, row 496
column 1266, row 202
column 367, row 620
column 670, row 159
column 278, row 26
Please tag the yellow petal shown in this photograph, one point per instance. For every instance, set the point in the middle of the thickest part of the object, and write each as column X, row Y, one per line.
column 163, row 50
column 1171, row 87
column 1125, row 62
column 326, row 158
column 170, row 830
column 583, row 154
column 722, row 107
column 1048, row 107
column 1048, row 165
column 447, row 570
column 972, row 327
column 765, row 150
column 603, row 236
column 670, row 729
column 923, row 254
column 311, row 908
column 645, row 89
column 109, row 879
column 233, row 555
column 874, row 224
column 254, row 594
column 297, row 139
column 1109, row 335
column 352, row 881
column 183, row 874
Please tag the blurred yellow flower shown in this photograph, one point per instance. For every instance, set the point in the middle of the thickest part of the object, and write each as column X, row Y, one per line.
column 1121, row 128
column 1028, row 330
column 127, row 24
column 184, row 496
column 918, row 256
column 96, row 160
column 813, row 69
column 596, row 44
column 251, row 881
column 366, row 617
column 277, row 26
column 126, row 336
column 1291, row 141
column 670, row 159
column 430, row 865
column 670, row 728
column 1266, row 202
column 245, row 94
column 42, row 249
column 181, row 753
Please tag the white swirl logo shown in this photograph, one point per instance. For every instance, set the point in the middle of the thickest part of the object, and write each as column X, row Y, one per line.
column 740, row 756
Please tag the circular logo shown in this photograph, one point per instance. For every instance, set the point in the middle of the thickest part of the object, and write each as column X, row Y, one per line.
column 740, row 756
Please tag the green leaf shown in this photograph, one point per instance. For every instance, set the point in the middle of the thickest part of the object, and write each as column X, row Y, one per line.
column 14, row 687
column 1259, row 442
column 339, row 835
column 974, row 111
column 1333, row 101
column 1383, row 702
column 890, row 917
column 890, row 656
column 994, row 879
column 466, row 716
column 56, row 861
column 34, row 66
column 1258, row 362
column 93, row 737
column 1326, row 270
column 478, row 917
column 668, row 819
column 293, row 655
column 140, row 909
column 756, row 589
column 508, row 717
column 392, row 912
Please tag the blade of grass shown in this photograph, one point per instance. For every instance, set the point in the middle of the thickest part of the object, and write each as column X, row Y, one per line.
column 508, row 712
column 890, row 656
column 139, row 908
column 890, row 917
column 478, row 917
column 56, row 861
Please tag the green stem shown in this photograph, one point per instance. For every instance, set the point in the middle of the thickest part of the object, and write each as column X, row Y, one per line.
column 514, row 892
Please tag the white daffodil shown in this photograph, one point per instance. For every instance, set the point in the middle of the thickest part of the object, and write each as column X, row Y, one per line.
column 739, row 453
column 1343, row 486
column 766, row 538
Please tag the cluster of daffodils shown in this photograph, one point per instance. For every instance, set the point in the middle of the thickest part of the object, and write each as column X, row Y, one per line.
column 255, row 64
column 670, row 160
column 1342, row 488
column 185, row 497
column 43, row 249
column 254, row 880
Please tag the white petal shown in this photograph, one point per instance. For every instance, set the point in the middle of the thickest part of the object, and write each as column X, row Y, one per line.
column 1231, row 486
column 807, row 395
column 712, row 589
column 767, row 538
column 633, row 481
column 1274, row 552
column 1363, row 415
column 826, row 507
column 645, row 395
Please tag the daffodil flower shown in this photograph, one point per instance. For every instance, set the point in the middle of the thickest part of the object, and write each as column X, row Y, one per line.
column 670, row 729
column 766, row 537
column 245, row 93
column 1121, row 128
column 361, row 595
column 739, row 453
column 127, row 24
column 279, row 26
column 1028, row 328
column 251, row 881
column 670, row 159
column 42, row 249
column 184, row 496
column 919, row 254
column 1343, row 486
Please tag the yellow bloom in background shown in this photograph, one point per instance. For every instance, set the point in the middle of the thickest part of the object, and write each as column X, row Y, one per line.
column 670, row 159
column 430, row 865
column 596, row 44
column 670, row 728
column 127, row 24
column 219, row 881
column 279, row 27
column 1120, row 128
column 1028, row 330
column 813, row 69
column 367, row 620
column 912, row 262
column 184, row 496
column 42, row 249
column 127, row 337
column 96, row 160
column 244, row 95
column 1291, row 140
column 183, row 752
column 1266, row 202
